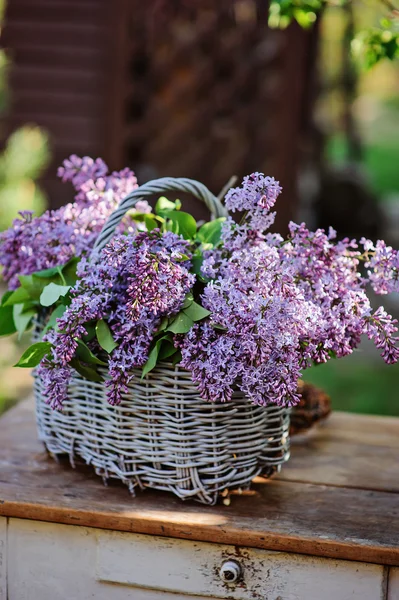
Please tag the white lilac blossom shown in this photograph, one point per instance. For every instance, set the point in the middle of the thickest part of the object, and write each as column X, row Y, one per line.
column 134, row 281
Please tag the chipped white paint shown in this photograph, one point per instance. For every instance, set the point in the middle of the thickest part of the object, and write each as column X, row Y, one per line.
column 51, row 562
column 3, row 558
column 393, row 584
column 193, row 567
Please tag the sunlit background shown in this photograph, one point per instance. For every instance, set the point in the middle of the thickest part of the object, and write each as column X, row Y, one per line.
column 346, row 146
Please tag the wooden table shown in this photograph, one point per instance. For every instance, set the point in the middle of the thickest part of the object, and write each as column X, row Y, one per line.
column 326, row 529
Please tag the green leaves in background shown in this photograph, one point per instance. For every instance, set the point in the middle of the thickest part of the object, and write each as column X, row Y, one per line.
column 24, row 158
column 304, row 12
column 34, row 354
column 370, row 45
column 373, row 45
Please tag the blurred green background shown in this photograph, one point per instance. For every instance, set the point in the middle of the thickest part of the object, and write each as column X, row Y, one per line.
column 23, row 159
column 361, row 382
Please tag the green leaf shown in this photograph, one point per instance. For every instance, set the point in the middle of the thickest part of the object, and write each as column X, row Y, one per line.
column 210, row 232
column 189, row 299
column 182, row 323
column 34, row 354
column 85, row 371
column 152, row 359
column 164, row 205
column 33, row 285
column 167, row 350
column 183, row 224
column 22, row 316
column 69, row 271
column 196, row 264
column 53, row 292
column 56, row 314
column 84, row 353
column 176, row 358
column 90, row 328
column 48, row 273
column 104, row 336
column 5, row 297
column 18, row 297
column 152, row 222
column 196, row 312
column 7, row 326
column 61, row 273
column 163, row 325
column 162, row 349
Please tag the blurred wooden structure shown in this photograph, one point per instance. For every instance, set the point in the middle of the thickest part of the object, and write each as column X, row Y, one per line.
column 185, row 88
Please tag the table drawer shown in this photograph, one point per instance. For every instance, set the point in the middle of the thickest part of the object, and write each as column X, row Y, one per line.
column 53, row 562
column 193, row 568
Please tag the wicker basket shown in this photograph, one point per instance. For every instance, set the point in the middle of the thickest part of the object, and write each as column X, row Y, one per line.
column 163, row 435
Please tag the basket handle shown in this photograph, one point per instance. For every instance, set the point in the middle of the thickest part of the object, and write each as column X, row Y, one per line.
column 181, row 184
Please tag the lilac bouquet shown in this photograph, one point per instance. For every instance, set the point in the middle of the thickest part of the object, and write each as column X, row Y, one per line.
column 237, row 306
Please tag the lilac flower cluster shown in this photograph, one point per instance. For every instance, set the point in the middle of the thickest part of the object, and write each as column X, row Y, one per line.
column 36, row 243
column 134, row 281
column 276, row 305
column 280, row 305
column 262, row 321
column 255, row 198
column 382, row 263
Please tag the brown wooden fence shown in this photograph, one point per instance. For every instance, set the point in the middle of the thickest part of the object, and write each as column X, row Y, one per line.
column 194, row 88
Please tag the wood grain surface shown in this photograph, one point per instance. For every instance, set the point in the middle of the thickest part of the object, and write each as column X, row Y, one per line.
column 338, row 497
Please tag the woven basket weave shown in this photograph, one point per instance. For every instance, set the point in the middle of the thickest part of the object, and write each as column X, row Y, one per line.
column 163, row 435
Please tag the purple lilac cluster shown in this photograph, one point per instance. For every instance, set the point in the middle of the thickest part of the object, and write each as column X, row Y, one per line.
column 134, row 281
column 36, row 243
column 382, row 264
column 254, row 199
column 277, row 305
column 280, row 305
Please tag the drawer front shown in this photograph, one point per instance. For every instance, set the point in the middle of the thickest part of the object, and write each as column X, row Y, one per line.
column 393, row 584
column 193, row 568
column 53, row 562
